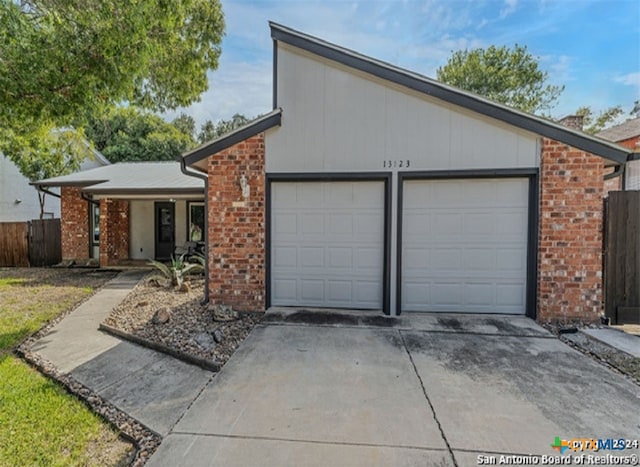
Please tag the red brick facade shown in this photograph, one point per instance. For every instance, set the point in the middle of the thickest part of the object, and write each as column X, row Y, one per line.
column 74, row 212
column 114, row 231
column 236, row 230
column 570, row 235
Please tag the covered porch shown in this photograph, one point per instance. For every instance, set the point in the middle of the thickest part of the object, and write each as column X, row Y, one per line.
column 129, row 213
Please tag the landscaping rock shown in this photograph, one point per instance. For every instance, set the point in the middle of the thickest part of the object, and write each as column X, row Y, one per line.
column 188, row 319
column 224, row 313
column 142, row 303
column 217, row 336
column 205, row 340
column 162, row 316
column 184, row 288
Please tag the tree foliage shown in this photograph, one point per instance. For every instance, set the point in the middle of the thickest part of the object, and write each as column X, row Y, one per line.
column 510, row 76
column 64, row 60
column 593, row 124
column 60, row 57
column 209, row 130
column 186, row 124
column 130, row 134
column 48, row 153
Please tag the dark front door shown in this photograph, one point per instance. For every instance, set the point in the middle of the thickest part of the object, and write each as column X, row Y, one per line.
column 165, row 230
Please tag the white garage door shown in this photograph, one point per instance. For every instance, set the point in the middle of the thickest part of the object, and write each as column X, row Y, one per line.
column 327, row 244
column 464, row 245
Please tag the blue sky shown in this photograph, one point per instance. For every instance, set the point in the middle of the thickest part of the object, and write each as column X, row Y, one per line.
column 592, row 47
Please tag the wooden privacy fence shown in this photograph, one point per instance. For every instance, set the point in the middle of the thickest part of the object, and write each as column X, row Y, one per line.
column 622, row 257
column 34, row 243
column 14, row 246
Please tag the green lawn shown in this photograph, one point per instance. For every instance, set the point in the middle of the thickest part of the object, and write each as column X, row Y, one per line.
column 40, row 424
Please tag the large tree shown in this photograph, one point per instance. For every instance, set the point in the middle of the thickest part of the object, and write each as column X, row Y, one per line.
column 593, row 124
column 511, row 76
column 61, row 60
column 209, row 130
column 129, row 134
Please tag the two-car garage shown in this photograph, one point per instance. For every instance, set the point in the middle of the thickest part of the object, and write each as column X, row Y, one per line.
column 460, row 244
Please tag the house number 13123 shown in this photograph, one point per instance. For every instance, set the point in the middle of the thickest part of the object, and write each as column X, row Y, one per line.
column 398, row 163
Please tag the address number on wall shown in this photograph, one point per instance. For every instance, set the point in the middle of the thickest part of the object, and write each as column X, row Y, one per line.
column 396, row 163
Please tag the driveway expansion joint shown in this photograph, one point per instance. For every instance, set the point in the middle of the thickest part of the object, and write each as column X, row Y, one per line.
column 426, row 396
column 311, row 441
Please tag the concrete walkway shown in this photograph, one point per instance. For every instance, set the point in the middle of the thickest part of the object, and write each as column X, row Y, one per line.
column 426, row 389
column 153, row 388
column 617, row 338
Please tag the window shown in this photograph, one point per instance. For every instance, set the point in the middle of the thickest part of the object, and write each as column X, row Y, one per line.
column 95, row 223
column 196, row 221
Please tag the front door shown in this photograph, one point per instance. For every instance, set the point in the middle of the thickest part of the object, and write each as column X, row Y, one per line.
column 165, row 230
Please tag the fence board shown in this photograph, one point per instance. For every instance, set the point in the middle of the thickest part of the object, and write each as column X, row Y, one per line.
column 14, row 247
column 622, row 256
column 44, row 242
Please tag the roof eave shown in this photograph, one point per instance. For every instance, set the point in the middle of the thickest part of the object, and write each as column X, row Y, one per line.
column 77, row 183
column 611, row 151
column 144, row 191
column 273, row 118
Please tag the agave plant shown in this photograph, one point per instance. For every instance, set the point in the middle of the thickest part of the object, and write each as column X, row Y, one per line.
column 179, row 268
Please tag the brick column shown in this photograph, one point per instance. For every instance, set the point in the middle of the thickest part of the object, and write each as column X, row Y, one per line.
column 236, row 230
column 570, row 243
column 74, row 213
column 114, row 231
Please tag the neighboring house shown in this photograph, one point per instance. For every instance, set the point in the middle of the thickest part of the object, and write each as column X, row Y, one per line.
column 372, row 187
column 19, row 200
column 627, row 134
column 129, row 211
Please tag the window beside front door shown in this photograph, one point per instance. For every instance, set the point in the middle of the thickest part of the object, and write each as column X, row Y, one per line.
column 196, row 222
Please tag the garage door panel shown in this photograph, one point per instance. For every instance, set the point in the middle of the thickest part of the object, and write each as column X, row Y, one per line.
column 337, row 244
column 464, row 245
column 341, row 258
column 312, row 257
column 284, row 223
column 341, row 224
column 368, row 260
column 285, row 257
column 312, row 290
column 286, row 289
column 510, row 295
column 312, row 224
column 368, row 225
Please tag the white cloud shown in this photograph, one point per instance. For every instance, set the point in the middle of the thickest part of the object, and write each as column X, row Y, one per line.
column 630, row 79
column 509, row 7
column 559, row 68
column 236, row 87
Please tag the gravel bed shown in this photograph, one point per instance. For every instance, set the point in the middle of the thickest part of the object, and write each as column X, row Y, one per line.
column 190, row 328
column 609, row 356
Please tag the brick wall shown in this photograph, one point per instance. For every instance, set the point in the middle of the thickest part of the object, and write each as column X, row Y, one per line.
column 570, row 243
column 114, row 231
column 74, row 212
column 236, row 230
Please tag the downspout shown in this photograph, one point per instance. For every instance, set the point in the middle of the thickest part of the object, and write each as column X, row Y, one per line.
column 617, row 171
column 190, row 173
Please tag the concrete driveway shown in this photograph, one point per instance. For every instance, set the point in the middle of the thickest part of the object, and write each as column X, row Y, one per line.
column 309, row 388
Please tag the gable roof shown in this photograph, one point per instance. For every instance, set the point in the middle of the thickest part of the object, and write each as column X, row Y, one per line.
column 252, row 128
column 624, row 131
column 434, row 88
column 130, row 178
